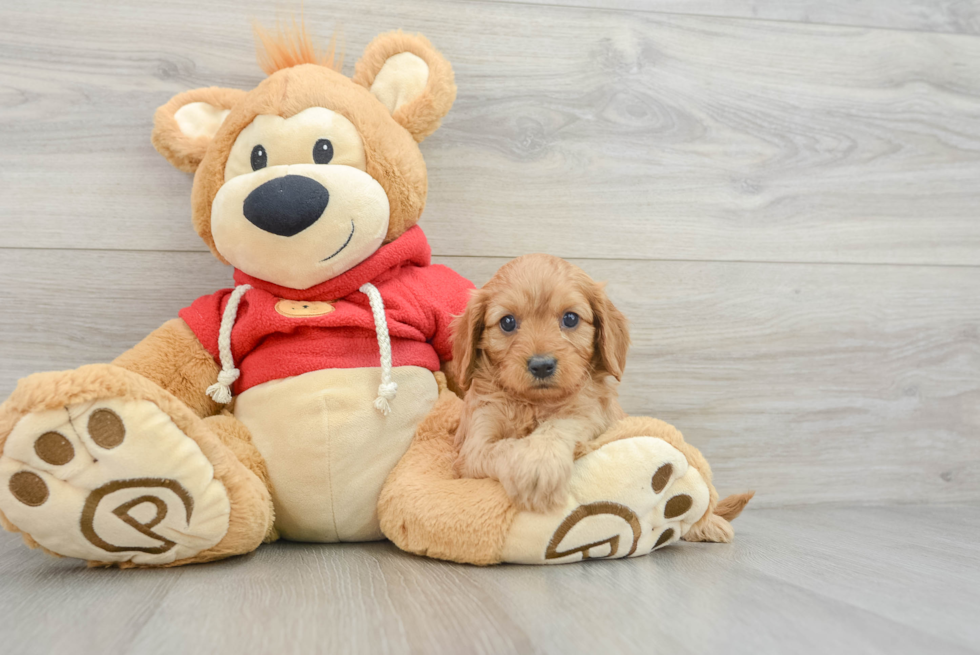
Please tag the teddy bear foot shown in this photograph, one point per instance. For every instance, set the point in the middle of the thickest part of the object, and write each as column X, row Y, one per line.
column 626, row 498
column 115, row 479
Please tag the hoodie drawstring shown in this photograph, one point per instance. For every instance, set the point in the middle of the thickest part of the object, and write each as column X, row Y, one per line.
column 388, row 388
column 220, row 392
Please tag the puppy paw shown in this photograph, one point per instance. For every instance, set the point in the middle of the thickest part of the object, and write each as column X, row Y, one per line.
column 539, row 481
column 542, row 493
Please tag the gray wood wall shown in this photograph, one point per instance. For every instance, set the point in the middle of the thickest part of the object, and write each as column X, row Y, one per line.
column 784, row 197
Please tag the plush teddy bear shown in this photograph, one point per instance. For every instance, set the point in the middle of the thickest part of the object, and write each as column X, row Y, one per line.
column 279, row 408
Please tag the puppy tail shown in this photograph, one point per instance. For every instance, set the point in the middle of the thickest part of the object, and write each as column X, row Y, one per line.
column 729, row 508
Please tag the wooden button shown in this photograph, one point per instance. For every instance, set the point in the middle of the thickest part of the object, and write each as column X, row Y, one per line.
column 303, row 308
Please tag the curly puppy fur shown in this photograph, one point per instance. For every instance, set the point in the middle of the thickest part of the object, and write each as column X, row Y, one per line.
column 517, row 428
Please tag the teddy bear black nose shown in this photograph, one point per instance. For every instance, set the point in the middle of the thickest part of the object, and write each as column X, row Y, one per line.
column 286, row 205
column 542, row 366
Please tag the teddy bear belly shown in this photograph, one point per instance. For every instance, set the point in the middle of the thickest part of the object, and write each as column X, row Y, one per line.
column 327, row 448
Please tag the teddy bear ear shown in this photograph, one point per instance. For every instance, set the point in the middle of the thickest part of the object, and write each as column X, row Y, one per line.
column 411, row 78
column 183, row 128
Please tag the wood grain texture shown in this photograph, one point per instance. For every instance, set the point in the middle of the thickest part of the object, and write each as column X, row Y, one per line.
column 953, row 16
column 810, row 383
column 585, row 133
column 811, row 580
column 786, row 211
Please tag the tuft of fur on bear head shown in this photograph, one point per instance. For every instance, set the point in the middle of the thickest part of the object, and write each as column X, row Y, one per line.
column 309, row 173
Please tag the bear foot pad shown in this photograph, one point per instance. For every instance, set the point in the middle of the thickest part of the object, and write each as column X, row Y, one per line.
column 626, row 499
column 112, row 480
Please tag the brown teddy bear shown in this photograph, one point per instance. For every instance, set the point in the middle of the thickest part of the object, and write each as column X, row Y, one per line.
column 280, row 407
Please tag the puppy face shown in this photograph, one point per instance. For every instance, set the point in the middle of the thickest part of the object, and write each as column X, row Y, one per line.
column 540, row 329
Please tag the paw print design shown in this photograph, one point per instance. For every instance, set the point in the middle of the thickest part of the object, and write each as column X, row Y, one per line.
column 626, row 499
column 111, row 481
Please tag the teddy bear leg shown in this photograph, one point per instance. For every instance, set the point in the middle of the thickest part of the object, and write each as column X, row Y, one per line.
column 627, row 496
column 104, row 465
column 236, row 437
column 637, row 488
column 424, row 509
column 633, row 490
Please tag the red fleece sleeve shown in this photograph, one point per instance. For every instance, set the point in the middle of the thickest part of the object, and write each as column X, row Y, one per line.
column 444, row 293
column 204, row 319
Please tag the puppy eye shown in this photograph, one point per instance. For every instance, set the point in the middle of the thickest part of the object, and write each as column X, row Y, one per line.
column 508, row 323
column 323, row 151
column 259, row 158
column 569, row 320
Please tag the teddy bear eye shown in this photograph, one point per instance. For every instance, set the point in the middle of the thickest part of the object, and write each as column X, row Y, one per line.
column 569, row 320
column 323, row 151
column 260, row 158
column 508, row 323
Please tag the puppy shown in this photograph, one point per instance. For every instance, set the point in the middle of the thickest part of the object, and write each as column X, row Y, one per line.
column 538, row 352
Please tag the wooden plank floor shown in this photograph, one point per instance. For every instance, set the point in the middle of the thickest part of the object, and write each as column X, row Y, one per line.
column 804, row 580
column 784, row 198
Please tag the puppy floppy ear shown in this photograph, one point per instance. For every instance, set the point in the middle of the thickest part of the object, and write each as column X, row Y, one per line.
column 612, row 336
column 467, row 332
column 183, row 128
column 411, row 78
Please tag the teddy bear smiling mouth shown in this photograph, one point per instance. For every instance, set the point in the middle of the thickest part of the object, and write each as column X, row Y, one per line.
column 346, row 243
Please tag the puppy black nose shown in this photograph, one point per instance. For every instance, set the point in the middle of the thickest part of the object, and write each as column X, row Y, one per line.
column 286, row 205
column 542, row 366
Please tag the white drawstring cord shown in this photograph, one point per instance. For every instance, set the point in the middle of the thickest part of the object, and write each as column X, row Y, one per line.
column 388, row 388
column 220, row 392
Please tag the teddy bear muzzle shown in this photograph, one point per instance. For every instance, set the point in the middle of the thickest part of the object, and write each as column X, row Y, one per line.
column 298, row 225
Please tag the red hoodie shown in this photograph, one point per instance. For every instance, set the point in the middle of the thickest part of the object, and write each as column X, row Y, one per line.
column 420, row 300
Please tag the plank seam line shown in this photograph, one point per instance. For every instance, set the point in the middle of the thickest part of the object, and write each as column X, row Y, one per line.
column 750, row 19
column 678, row 260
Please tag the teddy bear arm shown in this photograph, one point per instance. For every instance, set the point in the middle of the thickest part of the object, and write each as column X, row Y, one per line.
column 172, row 357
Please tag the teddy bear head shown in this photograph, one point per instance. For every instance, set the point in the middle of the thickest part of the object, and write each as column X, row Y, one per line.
column 308, row 174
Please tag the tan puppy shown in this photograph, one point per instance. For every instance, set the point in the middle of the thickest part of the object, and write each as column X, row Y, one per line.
column 539, row 353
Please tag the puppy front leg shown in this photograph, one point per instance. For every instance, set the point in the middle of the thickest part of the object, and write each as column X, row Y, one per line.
column 535, row 470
